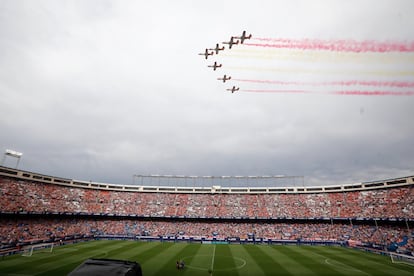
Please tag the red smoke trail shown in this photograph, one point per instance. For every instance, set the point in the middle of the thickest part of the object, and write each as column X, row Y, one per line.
column 335, row 45
column 374, row 93
column 401, row 84
column 344, row 92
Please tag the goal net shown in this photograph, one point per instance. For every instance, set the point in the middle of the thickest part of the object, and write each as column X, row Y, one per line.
column 402, row 259
column 37, row 248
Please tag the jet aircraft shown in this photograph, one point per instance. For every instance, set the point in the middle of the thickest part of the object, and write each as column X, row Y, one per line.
column 224, row 78
column 234, row 88
column 206, row 53
column 215, row 65
column 231, row 42
column 217, row 49
column 243, row 37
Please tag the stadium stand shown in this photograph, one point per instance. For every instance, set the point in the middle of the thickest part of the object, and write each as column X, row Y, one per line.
column 37, row 208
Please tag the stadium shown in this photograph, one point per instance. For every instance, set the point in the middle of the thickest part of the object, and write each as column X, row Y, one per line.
column 206, row 138
column 221, row 225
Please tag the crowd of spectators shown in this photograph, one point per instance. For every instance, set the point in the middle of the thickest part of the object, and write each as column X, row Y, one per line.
column 20, row 196
column 395, row 202
column 15, row 230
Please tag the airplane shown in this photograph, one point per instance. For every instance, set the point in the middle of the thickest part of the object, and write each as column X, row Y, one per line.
column 217, row 49
column 215, row 65
column 206, row 53
column 233, row 89
column 243, row 37
column 224, row 78
column 231, row 42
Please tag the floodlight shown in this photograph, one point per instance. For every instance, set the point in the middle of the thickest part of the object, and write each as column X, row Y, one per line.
column 14, row 154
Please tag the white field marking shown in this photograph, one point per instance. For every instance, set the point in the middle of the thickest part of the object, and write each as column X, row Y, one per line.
column 344, row 266
column 212, row 260
column 242, row 261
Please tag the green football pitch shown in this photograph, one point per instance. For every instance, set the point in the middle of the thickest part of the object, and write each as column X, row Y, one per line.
column 159, row 258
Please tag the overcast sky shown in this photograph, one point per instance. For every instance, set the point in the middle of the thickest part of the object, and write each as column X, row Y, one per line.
column 103, row 90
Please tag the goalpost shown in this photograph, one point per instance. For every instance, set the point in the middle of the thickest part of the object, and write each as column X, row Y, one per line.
column 42, row 247
column 401, row 259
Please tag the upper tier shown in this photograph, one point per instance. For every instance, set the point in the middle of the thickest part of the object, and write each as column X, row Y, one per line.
column 24, row 191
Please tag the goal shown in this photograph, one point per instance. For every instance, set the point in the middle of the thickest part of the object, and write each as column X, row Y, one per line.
column 41, row 247
column 402, row 259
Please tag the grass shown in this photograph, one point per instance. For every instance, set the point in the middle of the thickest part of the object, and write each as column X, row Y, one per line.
column 159, row 258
